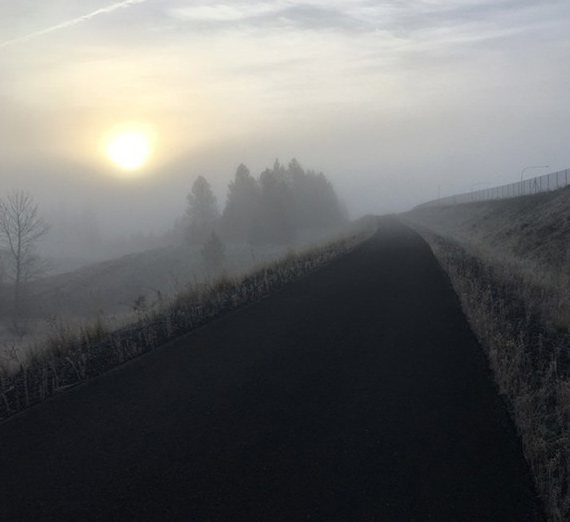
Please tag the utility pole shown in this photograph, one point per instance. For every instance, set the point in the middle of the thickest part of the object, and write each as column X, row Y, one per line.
column 532, row 167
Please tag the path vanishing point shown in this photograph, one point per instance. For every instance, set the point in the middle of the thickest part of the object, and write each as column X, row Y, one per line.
column 356, row 394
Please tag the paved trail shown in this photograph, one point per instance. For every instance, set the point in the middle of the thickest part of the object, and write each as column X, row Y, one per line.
column 356, row 394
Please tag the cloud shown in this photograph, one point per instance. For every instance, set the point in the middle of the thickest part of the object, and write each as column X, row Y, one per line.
column 223, row 12
column 450, row 21
column 72, row 22
column 296, row 15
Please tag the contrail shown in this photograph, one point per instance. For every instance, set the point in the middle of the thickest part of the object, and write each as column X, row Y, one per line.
column 70, row 23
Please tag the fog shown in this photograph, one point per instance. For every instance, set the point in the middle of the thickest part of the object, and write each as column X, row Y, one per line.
column 394, row 101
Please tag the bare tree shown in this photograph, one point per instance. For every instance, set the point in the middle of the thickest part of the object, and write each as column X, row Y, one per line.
column 21, row 226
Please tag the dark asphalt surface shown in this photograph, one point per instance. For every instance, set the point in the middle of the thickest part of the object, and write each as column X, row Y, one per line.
column 356, row 394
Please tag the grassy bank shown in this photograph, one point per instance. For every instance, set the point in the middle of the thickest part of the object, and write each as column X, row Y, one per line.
column 71, row 355
column 508, row 262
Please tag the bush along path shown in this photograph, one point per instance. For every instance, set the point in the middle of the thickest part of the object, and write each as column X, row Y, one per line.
column 356, row 394
column 67, row 359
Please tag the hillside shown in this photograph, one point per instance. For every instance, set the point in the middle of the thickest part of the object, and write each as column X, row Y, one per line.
column 530, row 228
column 112, row 286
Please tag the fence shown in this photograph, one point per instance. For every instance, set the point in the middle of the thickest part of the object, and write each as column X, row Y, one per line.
column 546, row 183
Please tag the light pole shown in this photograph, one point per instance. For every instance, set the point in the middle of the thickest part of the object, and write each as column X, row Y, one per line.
column 533, row 167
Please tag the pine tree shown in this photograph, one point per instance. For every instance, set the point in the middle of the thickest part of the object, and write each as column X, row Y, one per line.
column 213, row 253
column 273, row 222
column 241, row 205
column 202, row 213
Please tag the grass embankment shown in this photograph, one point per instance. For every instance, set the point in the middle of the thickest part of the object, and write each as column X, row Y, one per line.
column 70, row 356
column 508, row 261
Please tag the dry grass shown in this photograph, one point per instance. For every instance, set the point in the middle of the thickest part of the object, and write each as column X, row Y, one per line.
column 75, row 352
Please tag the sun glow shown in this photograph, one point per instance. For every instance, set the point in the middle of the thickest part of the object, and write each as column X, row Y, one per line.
column 128, row 147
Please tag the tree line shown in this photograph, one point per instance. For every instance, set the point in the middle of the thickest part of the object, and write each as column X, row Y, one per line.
column 272, row 209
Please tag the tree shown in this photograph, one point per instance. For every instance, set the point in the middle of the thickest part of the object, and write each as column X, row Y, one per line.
column 324, row 210
column 21, row 227
column 273, row 222
column 213, row 253
column 202, row 212
column 243, row 196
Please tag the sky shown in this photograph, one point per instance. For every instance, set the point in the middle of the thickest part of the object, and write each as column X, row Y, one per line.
column 394, row 101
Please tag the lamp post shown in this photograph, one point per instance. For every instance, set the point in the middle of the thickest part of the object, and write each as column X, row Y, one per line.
column 528, row 168
column 533, row 167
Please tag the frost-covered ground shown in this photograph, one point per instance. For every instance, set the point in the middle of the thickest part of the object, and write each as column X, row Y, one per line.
column 530, row 232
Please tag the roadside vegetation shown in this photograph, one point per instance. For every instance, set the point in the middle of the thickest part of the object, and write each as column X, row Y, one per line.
column 71, row 354
column 508, row 262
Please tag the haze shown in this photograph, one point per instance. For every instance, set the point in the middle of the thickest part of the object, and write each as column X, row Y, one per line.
column 391, row 100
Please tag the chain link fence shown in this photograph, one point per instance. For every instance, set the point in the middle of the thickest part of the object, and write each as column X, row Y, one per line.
column 546, row 183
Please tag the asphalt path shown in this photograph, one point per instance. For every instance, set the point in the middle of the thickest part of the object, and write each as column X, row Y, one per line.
column 355, row 394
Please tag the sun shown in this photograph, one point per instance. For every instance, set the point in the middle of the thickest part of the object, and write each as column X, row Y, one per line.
column 128, row 147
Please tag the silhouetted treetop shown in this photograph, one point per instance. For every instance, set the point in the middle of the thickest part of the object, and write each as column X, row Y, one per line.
column 272, row 209
column 281, row 203
column 202, row 213
column 241, row 205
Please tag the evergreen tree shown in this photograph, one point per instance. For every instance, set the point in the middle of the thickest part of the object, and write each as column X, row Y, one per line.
column 213, row 253
column 284, row 201
column 241, row 205
column 315, row 202
column 202, row 213
column 324, row 209
column 296, row 172
column 273, row 222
